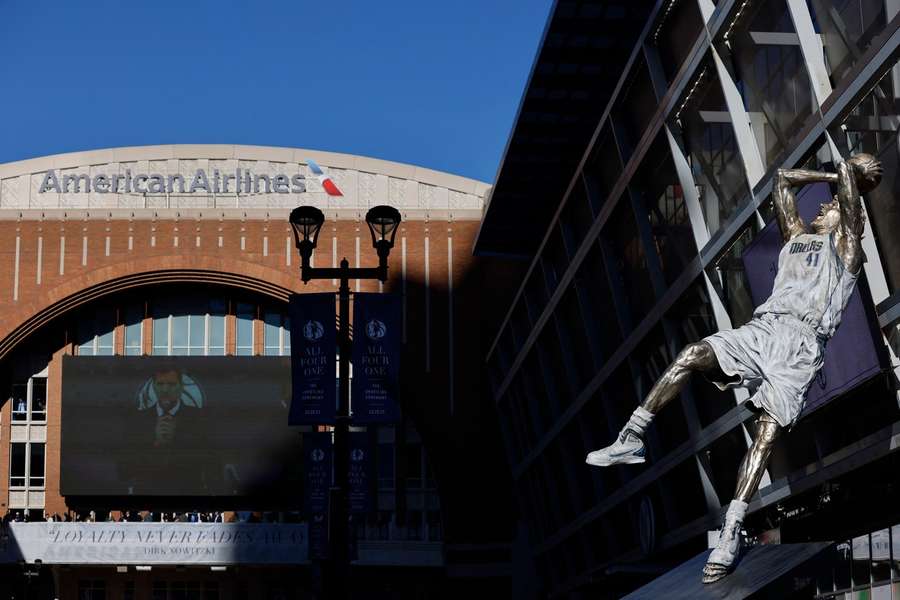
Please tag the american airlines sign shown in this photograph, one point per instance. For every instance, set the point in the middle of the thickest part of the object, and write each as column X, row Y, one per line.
column 241, row 181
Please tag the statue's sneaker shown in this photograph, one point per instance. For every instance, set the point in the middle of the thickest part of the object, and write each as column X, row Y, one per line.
column 721, row 560
column 628, row 449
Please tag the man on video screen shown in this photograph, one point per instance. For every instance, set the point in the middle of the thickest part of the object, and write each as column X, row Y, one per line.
column 170, row 427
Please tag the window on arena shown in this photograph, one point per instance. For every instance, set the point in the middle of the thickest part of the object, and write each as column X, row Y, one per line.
column 134, row 318
column 189, row 328
column 244, row 330
column 26, row 464
column 277, row 334
column 96, row 333
column 29, row 400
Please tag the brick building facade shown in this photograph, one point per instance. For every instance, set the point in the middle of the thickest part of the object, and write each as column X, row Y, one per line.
column 62, row 255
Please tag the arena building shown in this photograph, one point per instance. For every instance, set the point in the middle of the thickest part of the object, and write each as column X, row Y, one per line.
column 113, row 259
column 636, row 186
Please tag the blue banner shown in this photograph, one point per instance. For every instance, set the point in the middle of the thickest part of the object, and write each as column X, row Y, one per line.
column 313, row 350
column 376, row 357
column 317, row 454
column 361, row 471
column 318, row 535
column 851, row 356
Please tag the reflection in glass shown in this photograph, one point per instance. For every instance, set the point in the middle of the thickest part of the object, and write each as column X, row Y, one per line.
column 772, row 76
column 872, row 127
column 659, row 191
column 628, row 264
column 861, row 561
column 847, row 28
column 712, row 150
column 881, row 555
column 676, row 34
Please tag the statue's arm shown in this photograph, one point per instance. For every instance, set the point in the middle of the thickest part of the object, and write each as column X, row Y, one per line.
column 786, row 203
column 849, row 244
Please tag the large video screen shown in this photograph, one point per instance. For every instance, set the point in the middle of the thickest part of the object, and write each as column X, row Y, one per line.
column 178, row 426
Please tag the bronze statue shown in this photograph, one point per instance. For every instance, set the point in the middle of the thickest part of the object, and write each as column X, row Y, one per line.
column 778, row 353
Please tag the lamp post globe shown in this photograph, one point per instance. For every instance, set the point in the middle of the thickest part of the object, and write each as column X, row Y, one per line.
column 383, row 222
column 306, row 221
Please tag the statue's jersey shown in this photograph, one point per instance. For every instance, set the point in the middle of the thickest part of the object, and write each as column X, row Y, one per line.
column 812, row 284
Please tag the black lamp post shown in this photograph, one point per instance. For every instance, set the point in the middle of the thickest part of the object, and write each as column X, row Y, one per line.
column 306, row 221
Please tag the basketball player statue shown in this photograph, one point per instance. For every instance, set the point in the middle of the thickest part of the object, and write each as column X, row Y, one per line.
column 778, row 353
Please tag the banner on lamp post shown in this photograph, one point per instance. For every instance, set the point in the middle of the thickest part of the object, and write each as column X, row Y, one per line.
column 361, row 471
column 313, row 349
column 317, row 454
column 376, row 357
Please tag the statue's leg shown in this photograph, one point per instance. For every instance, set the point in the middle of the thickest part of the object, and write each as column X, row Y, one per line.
column 754, row 464
column 629, row 445
column 698, row 356
column 722, row 558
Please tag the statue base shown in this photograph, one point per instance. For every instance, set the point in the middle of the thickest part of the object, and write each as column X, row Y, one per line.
column 769, row 571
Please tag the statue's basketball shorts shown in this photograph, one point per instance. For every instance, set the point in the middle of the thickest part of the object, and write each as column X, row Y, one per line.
column 774, row 356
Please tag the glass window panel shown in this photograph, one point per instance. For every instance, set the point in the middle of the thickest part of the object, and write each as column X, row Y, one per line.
column 160, row 334
column 881, row 555
column 19, row 399
column 180, row 330
column 198, row 331
column 861, row 561
column 39, row 399
column 576, row 218
column 716, row 165
column 601, row 324
column 872, row 127
column 676, row 35
column 216, row 332
column 842, row 566
column 134, row 316
column 287, row 335
column 554, row 258
column 895, row 551
column 729, row 277
column 630, row 275
column 772, row 76
column 272, row 333
column 244, row 341
column 105, row 344
column 105, row 324
column 160, row 330
column 659, row 191
column 635, row 109
column 575, row 343
column 847, row 29
column 17, row 464
column 36, row 477
column 602, row 170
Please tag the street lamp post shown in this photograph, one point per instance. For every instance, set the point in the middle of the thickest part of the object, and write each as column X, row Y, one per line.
column 306, row 221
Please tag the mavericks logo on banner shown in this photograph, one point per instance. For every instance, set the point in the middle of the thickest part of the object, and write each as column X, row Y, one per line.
column 361, row 472
column 317, row 469
column 376, row 357
column 313, row 349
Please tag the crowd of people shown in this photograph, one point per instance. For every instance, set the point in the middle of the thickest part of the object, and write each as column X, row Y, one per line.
column 148, row 516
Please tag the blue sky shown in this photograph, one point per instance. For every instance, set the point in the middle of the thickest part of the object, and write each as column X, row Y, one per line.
column 431, row 83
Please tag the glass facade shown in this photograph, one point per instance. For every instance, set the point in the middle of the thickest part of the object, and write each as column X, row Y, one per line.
column 653, row 230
